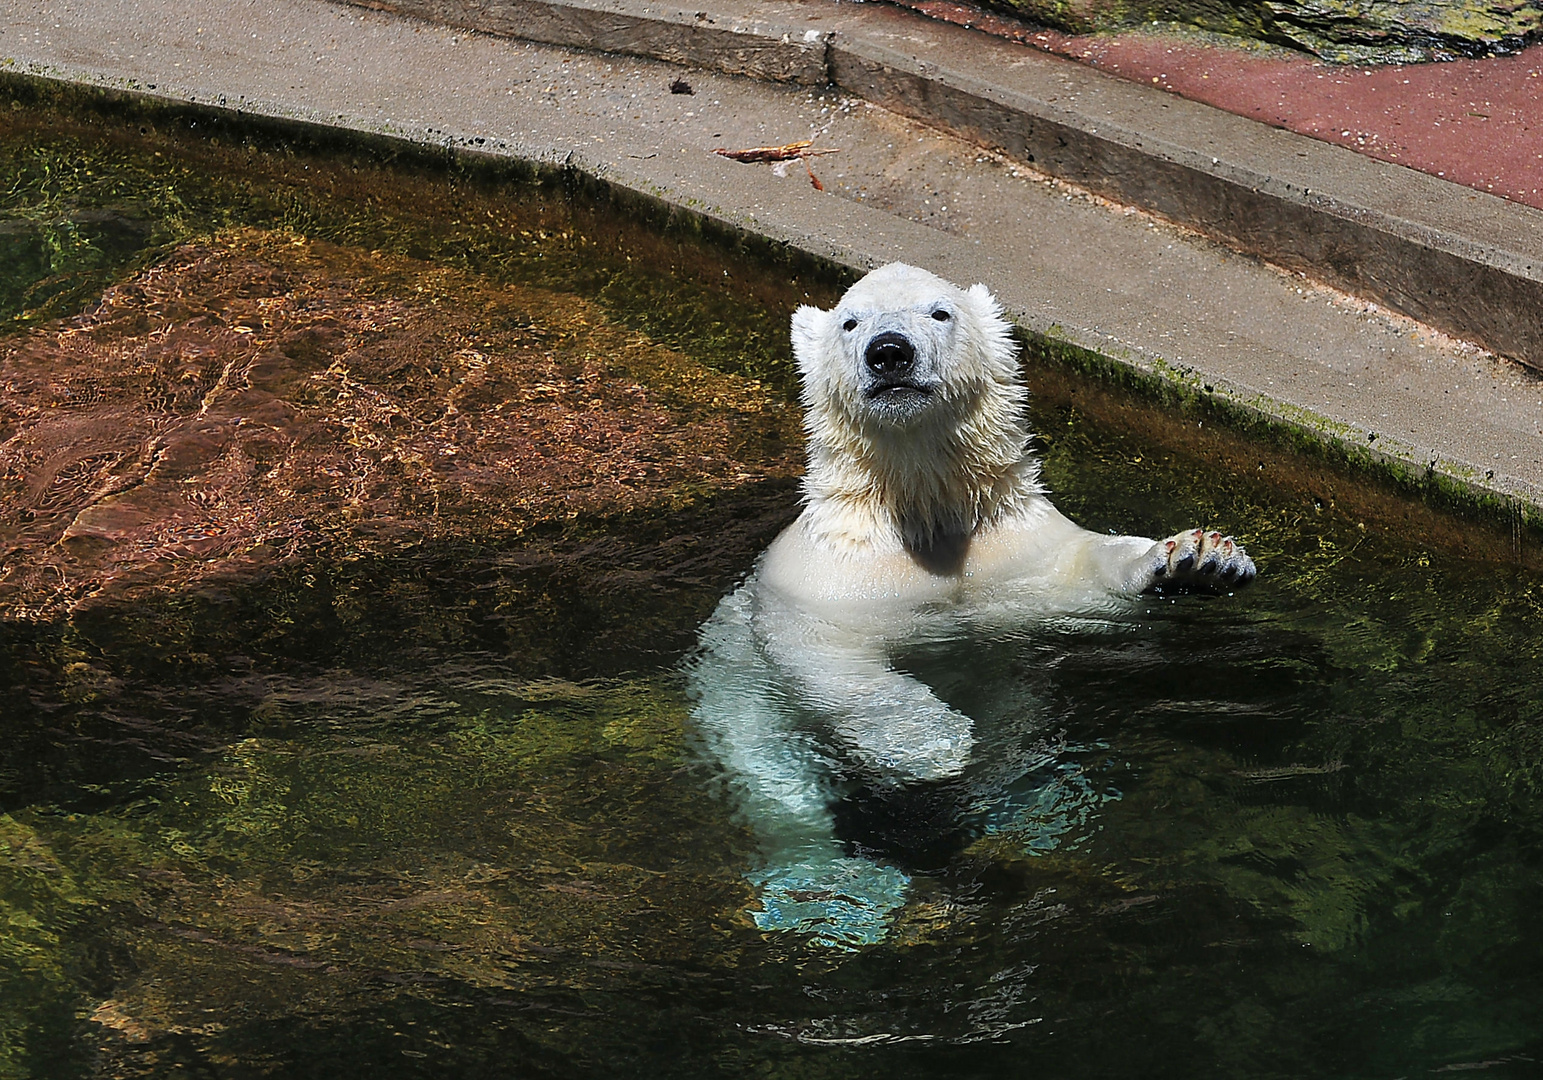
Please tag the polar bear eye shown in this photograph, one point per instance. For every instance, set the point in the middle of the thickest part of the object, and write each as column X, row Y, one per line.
column 941, row 316
column 849, row 325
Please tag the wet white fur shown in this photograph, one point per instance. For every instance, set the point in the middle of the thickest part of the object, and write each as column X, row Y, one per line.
column 963, row 463
column 959, row 466
column 811, row 631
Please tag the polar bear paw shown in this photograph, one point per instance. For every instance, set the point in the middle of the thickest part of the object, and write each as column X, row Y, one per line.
column 841, row 903
column 1201, row 559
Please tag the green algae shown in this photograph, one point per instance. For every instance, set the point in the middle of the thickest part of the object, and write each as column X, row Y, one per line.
column 467, row 844
column 1341, row 31
column 42, row 963
column 179, row 173
column 1307, row 439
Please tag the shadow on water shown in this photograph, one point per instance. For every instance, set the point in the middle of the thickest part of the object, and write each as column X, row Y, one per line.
column 423, row 802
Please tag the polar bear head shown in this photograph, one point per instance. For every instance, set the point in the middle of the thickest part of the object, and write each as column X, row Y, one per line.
column 913, row 408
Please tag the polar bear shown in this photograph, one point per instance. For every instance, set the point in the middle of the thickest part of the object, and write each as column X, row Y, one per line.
column 923, row 516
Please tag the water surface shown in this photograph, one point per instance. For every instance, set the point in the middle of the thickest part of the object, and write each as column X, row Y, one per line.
column 433, row 807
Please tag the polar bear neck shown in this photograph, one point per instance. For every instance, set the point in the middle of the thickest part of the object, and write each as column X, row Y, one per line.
column 919, row 489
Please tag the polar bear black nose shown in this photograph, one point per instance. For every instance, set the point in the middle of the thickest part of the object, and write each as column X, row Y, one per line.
column 889, row 354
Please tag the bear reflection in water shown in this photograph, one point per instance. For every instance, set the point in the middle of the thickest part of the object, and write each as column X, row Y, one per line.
column 924, row 523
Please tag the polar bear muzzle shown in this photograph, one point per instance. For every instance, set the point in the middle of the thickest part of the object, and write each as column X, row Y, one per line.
column 890, row 357
column 892, row 384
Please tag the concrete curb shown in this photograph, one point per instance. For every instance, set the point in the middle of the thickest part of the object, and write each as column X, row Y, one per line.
column 1464, row 261
column 733, row 43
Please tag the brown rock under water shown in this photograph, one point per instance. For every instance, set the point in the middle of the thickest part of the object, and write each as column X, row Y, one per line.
column 258, row 396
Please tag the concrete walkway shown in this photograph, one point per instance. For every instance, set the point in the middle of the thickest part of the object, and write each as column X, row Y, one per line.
column 1067, row 264
column 1478, row 123
column 1464, row 261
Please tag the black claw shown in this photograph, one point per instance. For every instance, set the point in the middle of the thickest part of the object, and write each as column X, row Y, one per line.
column 1185, row 564
column 1230, row 573
column 1209, row 566
column 1161, row 571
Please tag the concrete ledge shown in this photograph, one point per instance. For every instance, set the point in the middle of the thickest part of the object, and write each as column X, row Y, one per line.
column 1464, row 261
column 735, row 43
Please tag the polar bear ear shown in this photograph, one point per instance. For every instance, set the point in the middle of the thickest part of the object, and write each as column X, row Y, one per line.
column 995, row 333
column 986, row 305
column 810, row 325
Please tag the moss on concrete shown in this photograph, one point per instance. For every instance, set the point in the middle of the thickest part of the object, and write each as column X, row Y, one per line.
column 1311, row 447
column 1345, row 31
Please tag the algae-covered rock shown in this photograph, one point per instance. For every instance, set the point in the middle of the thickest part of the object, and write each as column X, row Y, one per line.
column 257, row 395
column 1345, row 31
column 42, row 966
column 1391, row 31
column 538, row 838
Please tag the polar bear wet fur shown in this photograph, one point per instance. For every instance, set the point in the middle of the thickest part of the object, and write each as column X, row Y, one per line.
column 924, row 516
column 920, row 484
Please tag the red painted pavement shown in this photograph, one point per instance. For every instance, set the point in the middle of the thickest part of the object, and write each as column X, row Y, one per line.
column 1476, row 122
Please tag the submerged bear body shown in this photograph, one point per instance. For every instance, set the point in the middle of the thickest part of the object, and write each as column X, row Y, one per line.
column 924, row 519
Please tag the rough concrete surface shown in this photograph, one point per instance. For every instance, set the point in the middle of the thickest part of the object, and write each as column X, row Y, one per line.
column 1467, row 263
column 1066, row 264
column 737, row 40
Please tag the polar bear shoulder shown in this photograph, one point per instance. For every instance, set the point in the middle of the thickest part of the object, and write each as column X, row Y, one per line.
column 921, row 486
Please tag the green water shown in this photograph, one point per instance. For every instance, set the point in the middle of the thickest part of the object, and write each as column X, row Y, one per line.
column 439, row 812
